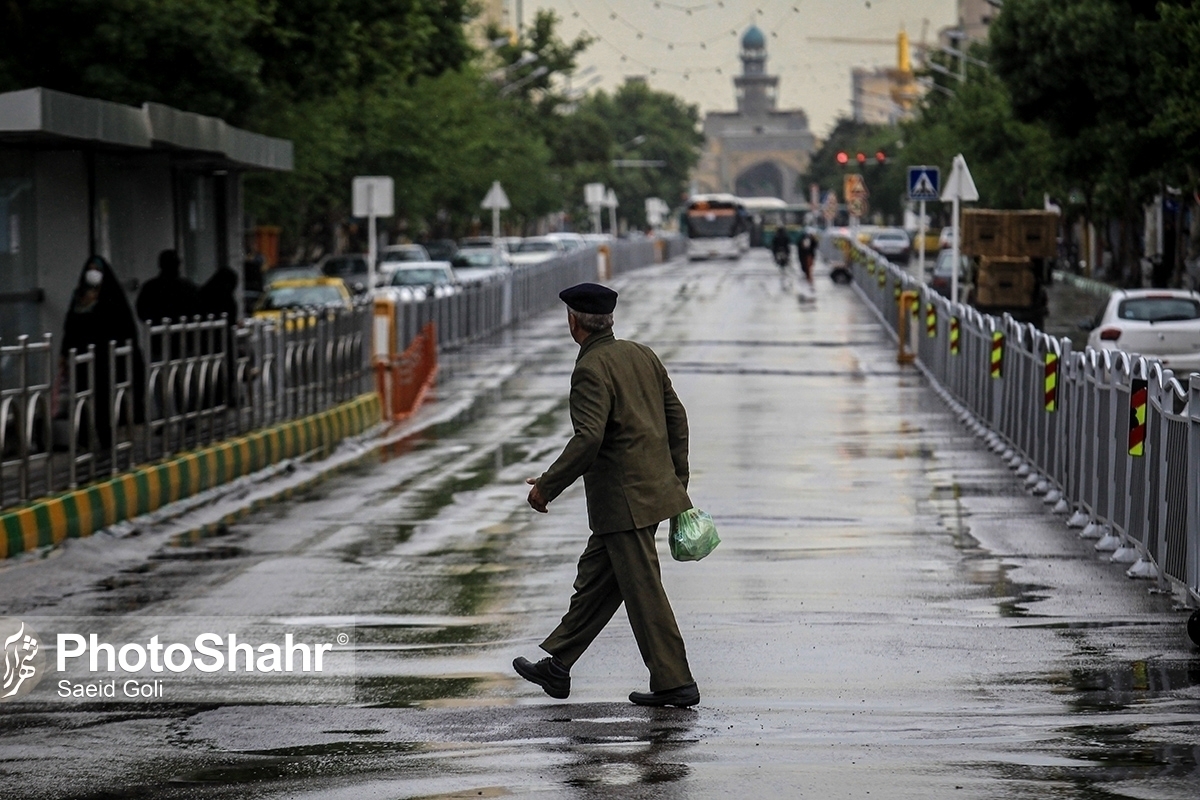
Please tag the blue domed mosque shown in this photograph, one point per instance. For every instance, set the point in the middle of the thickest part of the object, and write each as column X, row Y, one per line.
column 758, row 150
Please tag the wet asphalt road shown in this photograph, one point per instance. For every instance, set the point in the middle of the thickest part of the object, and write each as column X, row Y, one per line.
column 889, row 614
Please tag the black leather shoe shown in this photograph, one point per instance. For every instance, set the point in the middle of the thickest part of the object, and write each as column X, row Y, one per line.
column 549, row 673
column 681, row 696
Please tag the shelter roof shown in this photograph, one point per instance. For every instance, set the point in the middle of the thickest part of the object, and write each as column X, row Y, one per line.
column 51, row 118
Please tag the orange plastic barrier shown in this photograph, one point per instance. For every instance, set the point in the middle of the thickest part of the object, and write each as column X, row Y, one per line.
column 404, row 381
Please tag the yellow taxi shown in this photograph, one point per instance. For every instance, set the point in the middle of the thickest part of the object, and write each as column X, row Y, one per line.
column 300, row 294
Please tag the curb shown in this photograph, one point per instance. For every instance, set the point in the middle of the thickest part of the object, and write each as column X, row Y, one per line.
column 84, row 511
column 1091, row 285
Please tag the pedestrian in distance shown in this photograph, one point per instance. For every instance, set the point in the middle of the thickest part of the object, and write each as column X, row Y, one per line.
column 630, row 446
column 781, row 247
column 100, row 315
column 807, row 249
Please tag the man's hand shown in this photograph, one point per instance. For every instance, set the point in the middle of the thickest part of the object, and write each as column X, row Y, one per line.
column 536, row 501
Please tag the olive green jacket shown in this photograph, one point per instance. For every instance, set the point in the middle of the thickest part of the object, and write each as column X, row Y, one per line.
column 631, row 438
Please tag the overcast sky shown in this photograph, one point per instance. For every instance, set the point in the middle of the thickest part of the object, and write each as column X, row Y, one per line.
column 695, row 55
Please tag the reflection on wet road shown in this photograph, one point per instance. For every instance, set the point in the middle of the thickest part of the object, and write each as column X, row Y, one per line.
column 888, row 613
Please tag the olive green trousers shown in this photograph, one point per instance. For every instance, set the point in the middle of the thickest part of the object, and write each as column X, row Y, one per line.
column 616, row 568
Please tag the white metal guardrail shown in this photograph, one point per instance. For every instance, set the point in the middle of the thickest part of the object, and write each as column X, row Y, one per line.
column 484, row 307
column 68, row 420
column 1111, row 439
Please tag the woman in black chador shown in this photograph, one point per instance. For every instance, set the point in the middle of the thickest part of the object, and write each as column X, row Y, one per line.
column 100, row 314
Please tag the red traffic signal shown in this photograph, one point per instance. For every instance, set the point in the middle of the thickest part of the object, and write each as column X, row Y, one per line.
column 881, row 157
column 862, row 158
column 842, row 158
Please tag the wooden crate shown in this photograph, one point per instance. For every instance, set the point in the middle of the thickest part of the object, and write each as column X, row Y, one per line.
column 1004, row 281
column 1032, row 234
column 984, row 232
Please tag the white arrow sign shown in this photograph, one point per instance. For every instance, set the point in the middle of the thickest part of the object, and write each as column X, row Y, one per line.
column 960, row 185
column 496, row 199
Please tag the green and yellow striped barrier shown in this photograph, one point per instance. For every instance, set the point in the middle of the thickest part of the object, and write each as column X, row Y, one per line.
column 84, row 511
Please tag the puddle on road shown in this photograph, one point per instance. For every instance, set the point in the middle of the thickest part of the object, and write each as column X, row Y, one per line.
column 1120, row 686
column 411, row 692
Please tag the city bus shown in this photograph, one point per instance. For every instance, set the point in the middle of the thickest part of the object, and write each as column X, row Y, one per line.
column 716, row 226
column 795, row 218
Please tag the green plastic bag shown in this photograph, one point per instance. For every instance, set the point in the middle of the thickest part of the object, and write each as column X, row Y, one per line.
column 693, row 535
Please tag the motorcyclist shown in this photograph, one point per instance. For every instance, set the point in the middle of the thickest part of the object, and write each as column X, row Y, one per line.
column 781, row 247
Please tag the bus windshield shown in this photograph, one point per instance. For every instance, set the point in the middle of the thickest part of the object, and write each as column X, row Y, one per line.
column 707, row 224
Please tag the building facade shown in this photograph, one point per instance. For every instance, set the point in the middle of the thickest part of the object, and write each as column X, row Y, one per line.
column 758, row 150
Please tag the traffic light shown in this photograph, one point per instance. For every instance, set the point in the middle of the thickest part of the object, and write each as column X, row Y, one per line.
column 880, row 157
column 842, row 158
column 862, row 158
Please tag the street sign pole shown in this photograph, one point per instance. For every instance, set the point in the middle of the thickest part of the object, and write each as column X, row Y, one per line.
column 921, row 242
column 372, row 196
column 959, row 186
column 372, row 245
column 922, row 186
column 955, row 251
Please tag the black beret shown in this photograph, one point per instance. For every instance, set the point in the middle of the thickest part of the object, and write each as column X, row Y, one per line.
column 589, row 298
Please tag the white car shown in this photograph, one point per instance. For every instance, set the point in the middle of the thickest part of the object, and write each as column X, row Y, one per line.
column 571, row 241
column 946, row 238
column 393, row 256
column 474, row 264
column 537, row 249
column 421, row 281
column 892, row 243
column 1157, row 323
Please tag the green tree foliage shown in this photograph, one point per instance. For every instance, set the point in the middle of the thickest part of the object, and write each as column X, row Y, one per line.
column 1013, row 162
column 387, row 87
column 1174, row 81
column 190, row 54
column 633, row 123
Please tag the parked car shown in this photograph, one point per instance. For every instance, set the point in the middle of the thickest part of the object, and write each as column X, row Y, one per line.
column 482, row 241
column 403, row 253
column 395, row 256
column 893, row 243
column 946, row 238
column 473, row 264
column 571, row 241
column 420, row 281
column 939, row 278
column 302, row 293
column 1157, row 323
column 537, row 249
column 297, row 272
column 441, row 249
column 350, row 267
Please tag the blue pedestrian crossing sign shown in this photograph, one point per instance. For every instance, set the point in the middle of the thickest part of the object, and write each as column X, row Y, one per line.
column 923, row 183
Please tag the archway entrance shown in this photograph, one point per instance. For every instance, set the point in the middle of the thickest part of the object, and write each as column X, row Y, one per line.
column 764, row 179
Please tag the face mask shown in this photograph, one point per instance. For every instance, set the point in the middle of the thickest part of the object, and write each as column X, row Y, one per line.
column 93, row 277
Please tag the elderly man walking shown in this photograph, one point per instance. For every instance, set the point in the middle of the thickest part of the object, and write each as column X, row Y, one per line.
column 630, row 446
